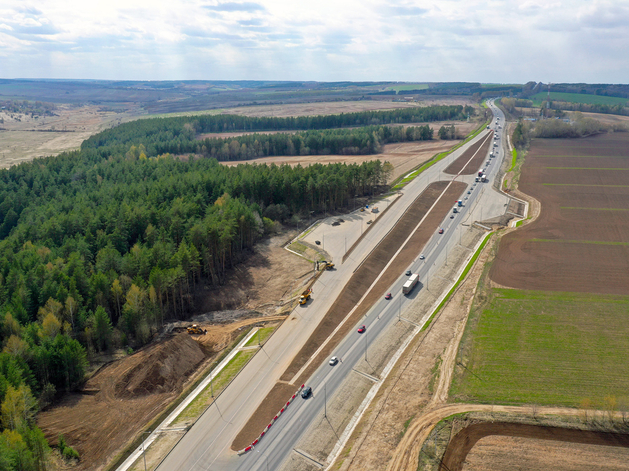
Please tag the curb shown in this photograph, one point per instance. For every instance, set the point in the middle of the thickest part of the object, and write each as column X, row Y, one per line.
column 266, row 429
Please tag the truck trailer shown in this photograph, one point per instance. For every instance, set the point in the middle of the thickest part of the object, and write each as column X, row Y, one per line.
column 410, row 283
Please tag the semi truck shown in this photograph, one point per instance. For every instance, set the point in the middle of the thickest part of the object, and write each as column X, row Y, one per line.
column 305, row 296
column 410, row 283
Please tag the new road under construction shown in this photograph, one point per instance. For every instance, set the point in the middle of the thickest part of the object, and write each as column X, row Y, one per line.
column 259, row 421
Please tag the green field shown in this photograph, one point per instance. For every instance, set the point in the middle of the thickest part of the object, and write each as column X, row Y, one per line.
column 538, row 98
column 545, row 348
column 408, row 86
column 264, row 333
column 222, row 379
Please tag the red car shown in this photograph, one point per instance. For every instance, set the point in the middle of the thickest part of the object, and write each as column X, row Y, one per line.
column 441, row 231
column 362, row 329
column 387, row 296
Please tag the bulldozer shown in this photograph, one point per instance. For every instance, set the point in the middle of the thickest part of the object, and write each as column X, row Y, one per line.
column 195, row 329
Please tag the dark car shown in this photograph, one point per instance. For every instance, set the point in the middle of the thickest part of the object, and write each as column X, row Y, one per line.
column 387, row 296
column 318, row 242
column 362, row 329
column 408, row 272
column 306, row 392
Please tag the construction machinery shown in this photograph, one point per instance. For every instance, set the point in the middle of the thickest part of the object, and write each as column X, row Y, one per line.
column 325, row 265
column 305, row 296
column 195, row 329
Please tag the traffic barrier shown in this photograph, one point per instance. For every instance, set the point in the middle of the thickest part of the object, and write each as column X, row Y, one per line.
column 257, row 440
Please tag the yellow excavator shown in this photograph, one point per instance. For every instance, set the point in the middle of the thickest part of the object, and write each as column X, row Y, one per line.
column 195, row 329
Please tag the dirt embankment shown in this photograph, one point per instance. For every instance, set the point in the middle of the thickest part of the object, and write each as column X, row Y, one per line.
column 353, row 292
column 122, row 397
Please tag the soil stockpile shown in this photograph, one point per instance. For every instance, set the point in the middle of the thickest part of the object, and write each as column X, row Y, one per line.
column 580, row 242
column 463, row 442
column 464, row 165
column 122, row 397
column 355, row 289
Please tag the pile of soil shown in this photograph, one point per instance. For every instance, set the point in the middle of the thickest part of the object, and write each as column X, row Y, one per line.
column 121, row 398
column 159, row 370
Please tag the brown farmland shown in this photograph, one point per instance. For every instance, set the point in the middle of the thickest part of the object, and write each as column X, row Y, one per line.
column 580, row 242
column 353, row 292
column 478, row 150
column 536, row 448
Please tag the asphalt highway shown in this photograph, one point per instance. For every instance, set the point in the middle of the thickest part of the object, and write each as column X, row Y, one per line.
column 206, row 445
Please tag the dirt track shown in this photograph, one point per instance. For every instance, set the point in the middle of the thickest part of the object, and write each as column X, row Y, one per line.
column 463, row 442
column 580, row 242
column 354, row 290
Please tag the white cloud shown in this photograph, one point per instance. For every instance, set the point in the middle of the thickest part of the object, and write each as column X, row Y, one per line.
column 412, row 40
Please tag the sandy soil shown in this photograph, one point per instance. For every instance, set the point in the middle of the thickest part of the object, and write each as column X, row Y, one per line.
column 23, row 138
column 353, row 292
column 337, row 107
column 580, row 241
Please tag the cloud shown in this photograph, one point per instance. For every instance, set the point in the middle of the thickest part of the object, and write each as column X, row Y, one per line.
column 234, row 6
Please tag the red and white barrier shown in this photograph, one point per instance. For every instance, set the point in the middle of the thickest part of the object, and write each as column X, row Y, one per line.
column 257, row 440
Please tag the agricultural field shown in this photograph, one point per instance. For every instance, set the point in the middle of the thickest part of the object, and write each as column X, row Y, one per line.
column 408, row 86
column 540, row 97
column 580, row 242
column 533, row 347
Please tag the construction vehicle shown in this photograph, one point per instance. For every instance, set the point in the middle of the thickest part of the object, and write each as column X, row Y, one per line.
column 305, row 296
column 325, row 265
column 195, row 329
column 410, row 283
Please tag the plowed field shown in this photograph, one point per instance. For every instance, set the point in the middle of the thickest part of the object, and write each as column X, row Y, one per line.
column 580, row 242
column 536, row 448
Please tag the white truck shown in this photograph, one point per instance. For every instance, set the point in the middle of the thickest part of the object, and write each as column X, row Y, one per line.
column 483, row 178
column 410, row 283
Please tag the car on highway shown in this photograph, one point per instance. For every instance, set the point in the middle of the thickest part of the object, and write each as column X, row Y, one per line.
column 318, row 242
column 408, row 272
column 362, row 329
column 441, row 231
column 451, row 216
column 388, row 296
column 422, row 256
column 306, row 392
column 333, row 361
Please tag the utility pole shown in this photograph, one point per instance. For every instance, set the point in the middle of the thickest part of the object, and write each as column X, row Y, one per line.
column 258, row 336
column 325, row 400
column 399, row 311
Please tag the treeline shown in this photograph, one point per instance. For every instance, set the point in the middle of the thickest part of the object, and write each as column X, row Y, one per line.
column 98, row 255
column 359, row 141
column 179, row 135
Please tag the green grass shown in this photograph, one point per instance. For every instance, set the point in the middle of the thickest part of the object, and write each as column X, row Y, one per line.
column 408, row 86
column 514, row 159
column 199, row 404
column 265, row 333
column 591, row 242
column 586, row 168
column 459, row 281
column 545, row 348
column 519, row 223
column 594, row 209
column 538, row 98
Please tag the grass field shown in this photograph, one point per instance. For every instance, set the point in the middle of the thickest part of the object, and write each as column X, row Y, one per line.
column 198, row 405
column 408, row 86
column 538, row 98
column 545, row 348
column 261, row 335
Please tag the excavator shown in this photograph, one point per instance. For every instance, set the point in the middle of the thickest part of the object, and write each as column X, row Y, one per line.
column 195, row 329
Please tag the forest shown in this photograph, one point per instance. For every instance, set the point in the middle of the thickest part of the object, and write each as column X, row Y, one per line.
column 101, row 246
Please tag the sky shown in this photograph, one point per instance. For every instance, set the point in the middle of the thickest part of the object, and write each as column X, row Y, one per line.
column 500, row 41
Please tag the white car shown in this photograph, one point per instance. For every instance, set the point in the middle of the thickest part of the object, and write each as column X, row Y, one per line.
column 333, row 361
column 421, row 257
